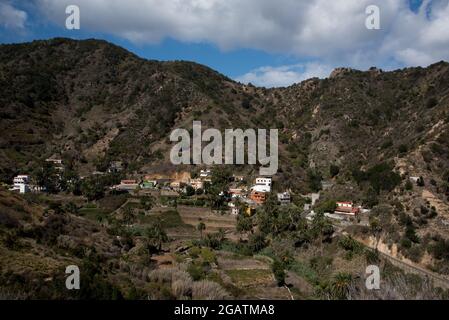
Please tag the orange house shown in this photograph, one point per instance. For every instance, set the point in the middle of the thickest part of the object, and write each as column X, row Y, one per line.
column 258, row 197
column 347, row 208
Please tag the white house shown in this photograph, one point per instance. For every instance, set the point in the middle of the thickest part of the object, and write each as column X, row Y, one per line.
column 21, row 179
column 234, row 210
column 284, row 198
column 205, row 173
column 262, row 185
column 264, row 181
column 21, row 183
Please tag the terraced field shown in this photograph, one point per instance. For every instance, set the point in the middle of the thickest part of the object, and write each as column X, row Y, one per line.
column 213, row 221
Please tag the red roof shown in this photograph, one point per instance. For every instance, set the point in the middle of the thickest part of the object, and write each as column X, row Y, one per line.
column 347, row 210
column 128, row 182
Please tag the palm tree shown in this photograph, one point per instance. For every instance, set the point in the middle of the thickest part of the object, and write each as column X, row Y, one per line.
column 201, row 227
column 321, row 227
column 339, row 287
column 221, row 235
column 128, row 215
column 244, row 224
column 376, row 230
column 156, row 236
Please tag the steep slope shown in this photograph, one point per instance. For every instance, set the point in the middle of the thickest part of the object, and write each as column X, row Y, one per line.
column 94, row 102
column 62, row 96
column 366, row 133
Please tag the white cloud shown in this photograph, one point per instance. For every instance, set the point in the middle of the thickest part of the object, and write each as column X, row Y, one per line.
column 422, row 38
column 285, row 75
column 12, row 18
column 331, row 32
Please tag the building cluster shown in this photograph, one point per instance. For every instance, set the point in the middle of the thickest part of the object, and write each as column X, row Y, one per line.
column 344, row 211
column 22, row 183
column 152, row 182
column 238, row 196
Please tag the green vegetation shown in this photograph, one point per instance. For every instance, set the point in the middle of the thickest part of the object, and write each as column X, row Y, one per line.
column 124, row 115
column 334, row 170
column 167, row 219
column 380, row 177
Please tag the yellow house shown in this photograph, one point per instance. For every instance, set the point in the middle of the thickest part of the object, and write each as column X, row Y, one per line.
column 250, row 211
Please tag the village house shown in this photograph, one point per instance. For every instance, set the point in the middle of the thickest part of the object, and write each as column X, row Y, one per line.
column 250, row 211
column 262, row 185
column 238, row 178
column 196, row 184
column 21, row 183
column 234, row 209
column 57, row 163
column 284, row 198
column 205, row 173
column 250, row 206
column 127, row 185
column 115, row 167
column 148, row 184
column 258, row 197
column 264, row 181
column 312, row 199
column 236, row 192
column 347, row 208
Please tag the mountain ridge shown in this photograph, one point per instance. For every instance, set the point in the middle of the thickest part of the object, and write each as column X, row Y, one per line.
column 380, row 139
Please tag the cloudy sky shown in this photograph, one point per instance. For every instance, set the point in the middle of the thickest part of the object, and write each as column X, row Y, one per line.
column 265, row 42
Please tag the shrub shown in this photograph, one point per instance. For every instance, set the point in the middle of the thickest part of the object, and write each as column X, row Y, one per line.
column 314, row 179
column 380, row 177
column 208, row 290
column 278, row 270
column 408, row 185
column 402, row 148
column 190, row 191
column 440, row 250
column 334, row 170
column 432, row 102
column 182, row 287
column 257, row 242
column 387, row 144
column 349, row 244
column 208, row 255
column 410, row 233
column 196, row 271
column 406, row 243
column 326, row 206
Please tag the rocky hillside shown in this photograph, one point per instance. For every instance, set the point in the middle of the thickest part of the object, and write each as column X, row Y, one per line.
column 62, row 96
column 365, row 133
column 93, row 103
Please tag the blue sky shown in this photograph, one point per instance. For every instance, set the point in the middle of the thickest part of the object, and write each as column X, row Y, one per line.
column 269, row 43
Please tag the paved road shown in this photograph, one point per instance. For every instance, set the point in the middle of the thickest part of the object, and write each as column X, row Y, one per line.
column 438, row 280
